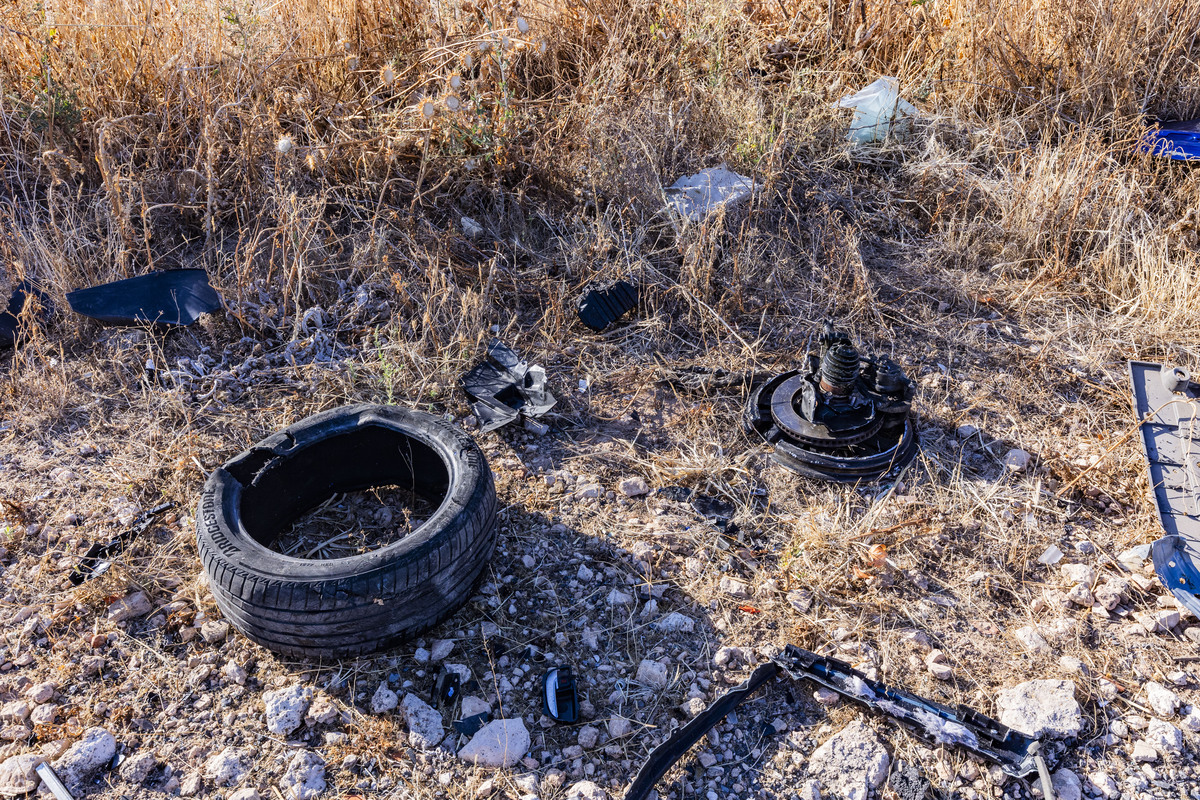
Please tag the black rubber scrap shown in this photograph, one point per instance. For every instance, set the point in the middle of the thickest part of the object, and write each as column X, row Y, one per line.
column 602, row 305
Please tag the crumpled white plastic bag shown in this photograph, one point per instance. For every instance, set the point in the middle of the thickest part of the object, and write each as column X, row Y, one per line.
column 878, row 111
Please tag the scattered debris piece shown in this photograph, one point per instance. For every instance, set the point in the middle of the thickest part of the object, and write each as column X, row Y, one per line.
column 95, row 560
column 1015, row 753
column 560, row 698
column 26, row 303
column 1178, row 140
column 1165, row 403
column 694, row 196
column 471, row 228
column 602, row 305
column 469, row 726
column 446, row 687
column 713, row 508
column 879, row 112
column 504, row 387
column 52, row 782
column 1052, row 556
column 164, row 298
column 845, row 418
column 535, row 427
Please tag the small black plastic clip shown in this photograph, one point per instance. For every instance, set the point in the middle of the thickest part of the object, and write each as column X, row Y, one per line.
column 446, row 688
column 560, row 700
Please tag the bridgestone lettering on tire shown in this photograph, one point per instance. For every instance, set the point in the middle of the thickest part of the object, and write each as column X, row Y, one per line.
column 347, row 606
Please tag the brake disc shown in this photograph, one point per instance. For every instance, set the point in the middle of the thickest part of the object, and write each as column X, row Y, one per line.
column 846, row 417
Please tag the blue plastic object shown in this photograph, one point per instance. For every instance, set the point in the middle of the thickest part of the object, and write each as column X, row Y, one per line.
column 1178, row 140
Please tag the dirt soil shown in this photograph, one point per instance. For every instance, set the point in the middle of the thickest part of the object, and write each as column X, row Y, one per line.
column 377, row 188
column 945, row 558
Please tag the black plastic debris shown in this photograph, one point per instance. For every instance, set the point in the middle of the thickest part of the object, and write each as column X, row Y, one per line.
column 846, row 417
column 446, row 688
column 713, row 508
column 96, row 560
column 165, row 298
column 1167, row 404
column 676, row 494
column 11, row 322
column 560, row 698
column 603, row 305
column 469, row 726
column 505, row 387
column 1015, row 753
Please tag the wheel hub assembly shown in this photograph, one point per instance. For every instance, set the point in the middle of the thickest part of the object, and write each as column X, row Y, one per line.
column 845, row 417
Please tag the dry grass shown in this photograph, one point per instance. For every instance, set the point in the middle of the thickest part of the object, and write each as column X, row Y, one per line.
column 1012, row 253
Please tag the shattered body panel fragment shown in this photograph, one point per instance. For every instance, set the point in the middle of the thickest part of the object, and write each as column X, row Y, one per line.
column 1178, row 140
column 1167, row 405
column 504, row 387
column 1015, row 753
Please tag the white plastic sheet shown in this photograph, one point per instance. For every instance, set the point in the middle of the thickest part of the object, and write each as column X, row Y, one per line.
column 878, row 111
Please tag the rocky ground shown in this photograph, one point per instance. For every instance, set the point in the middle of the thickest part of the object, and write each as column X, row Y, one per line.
column 1046, row 615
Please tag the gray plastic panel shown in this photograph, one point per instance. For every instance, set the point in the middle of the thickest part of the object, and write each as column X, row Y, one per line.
column 1170, row 428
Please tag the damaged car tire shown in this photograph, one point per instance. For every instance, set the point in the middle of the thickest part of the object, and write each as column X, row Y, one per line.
column 344, row 607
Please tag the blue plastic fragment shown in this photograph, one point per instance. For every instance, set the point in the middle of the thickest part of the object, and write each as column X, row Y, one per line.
column 1178, row 140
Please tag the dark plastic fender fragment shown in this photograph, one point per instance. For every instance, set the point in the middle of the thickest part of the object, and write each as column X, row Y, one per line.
column 164, row 298
column 446, row 688
column 92, row 563
column 10, row 318
column 603, row 305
